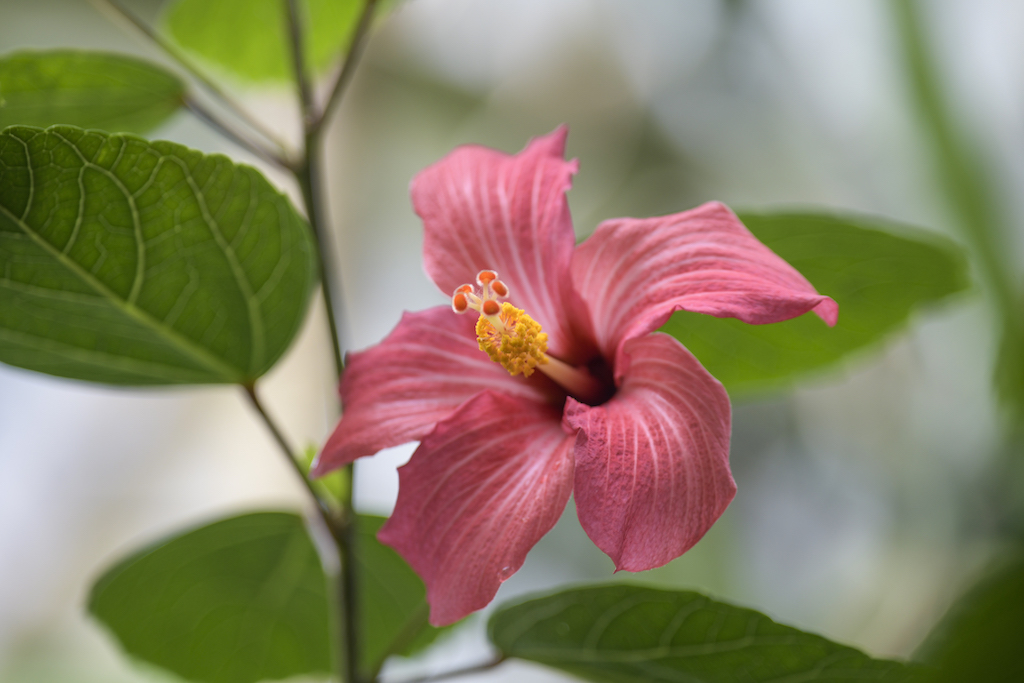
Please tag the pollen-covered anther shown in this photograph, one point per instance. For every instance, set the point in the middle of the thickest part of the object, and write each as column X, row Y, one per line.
column 464, row 299
column 483, row 300
column 512, row 339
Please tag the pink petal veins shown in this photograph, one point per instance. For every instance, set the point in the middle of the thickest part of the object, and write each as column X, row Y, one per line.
column 652, row 464
column 634, row 272
column 397, row 391
column 478, row 493
column 486, row 210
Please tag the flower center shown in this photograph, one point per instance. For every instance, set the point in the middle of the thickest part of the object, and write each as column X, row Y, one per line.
column 514, row 340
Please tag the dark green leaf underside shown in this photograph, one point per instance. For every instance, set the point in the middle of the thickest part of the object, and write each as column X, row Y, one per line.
column 111, row 92
column 630, row 634
column 248, row 38
column 238, row 601
column 877, row 273
column 129, row 262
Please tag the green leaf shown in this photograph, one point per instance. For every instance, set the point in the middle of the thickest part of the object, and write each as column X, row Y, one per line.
column 238, row 601
column 631, row 634
column 244, row 599
column 393, row 597
column 249, row 38
column 878, row 274
column 137, row 263
column 979, row 639
column 115, row 93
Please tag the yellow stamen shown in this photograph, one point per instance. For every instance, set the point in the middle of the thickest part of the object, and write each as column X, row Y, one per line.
column 513, row 340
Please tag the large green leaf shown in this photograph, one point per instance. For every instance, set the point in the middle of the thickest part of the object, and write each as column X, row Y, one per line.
column 238, row 601
column 878, row 273
column 129, row 262
column 394, row 600
column 631, row 634
column 980, row 638
column 115, row 93
column 248, row 38
column 205, row 603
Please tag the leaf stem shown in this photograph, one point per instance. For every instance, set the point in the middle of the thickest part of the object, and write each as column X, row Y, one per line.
column 238, row 137
column 280, row 151
column 322, row 506
column 479, row 668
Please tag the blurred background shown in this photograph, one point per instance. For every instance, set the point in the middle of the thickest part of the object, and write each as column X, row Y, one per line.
column 868, row 498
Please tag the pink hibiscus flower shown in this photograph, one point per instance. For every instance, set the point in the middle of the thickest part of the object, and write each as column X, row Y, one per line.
column 600, row 405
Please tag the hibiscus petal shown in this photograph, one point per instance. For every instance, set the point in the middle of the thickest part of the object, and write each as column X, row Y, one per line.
column 484, row 209
column 652, row 464
column 477, row 494
column 634, row 272
column 397, row 391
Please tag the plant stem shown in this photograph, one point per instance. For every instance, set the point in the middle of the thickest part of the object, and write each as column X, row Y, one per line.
column 309, row 174
column 487, row 666
column 119, row 10
column 345, row 535
column 312, row 194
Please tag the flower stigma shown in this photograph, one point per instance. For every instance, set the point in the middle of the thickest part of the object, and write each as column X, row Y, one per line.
column 514, row 340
